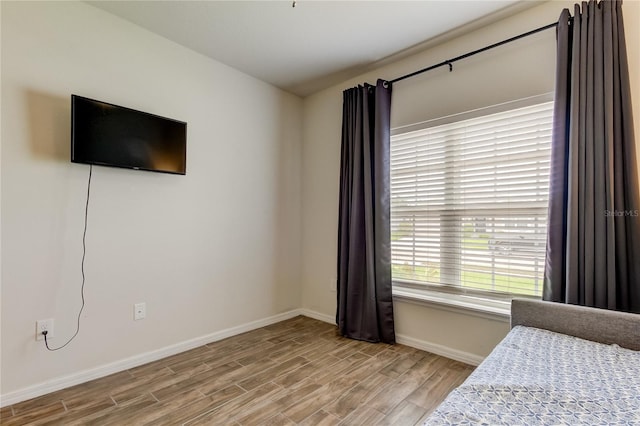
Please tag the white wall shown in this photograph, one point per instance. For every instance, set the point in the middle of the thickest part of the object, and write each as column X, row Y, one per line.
column 517, row 70
column 217, row 248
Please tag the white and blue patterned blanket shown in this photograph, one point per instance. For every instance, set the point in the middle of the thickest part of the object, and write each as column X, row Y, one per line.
column 538, row 377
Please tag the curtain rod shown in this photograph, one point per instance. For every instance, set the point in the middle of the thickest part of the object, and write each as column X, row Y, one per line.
column 466, row 55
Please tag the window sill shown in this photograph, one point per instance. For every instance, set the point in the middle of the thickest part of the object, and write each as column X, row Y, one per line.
column 497, row 310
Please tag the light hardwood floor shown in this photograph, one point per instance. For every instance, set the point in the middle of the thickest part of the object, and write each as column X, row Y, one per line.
column 296, row 372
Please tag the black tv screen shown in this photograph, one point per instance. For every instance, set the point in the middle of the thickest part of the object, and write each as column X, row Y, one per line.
column 111, row 135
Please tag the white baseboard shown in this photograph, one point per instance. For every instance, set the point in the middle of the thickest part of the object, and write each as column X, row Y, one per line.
column 317, row 315
column 134, row 361
column 445, row 351
column 434, row 348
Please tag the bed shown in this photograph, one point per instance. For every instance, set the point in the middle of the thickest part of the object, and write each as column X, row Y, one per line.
column 559, row 365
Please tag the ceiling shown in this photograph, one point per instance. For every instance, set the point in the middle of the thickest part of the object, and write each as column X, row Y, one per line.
column 314, row 45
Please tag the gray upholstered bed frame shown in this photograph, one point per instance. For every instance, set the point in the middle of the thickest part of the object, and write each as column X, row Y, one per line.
column 598, row 325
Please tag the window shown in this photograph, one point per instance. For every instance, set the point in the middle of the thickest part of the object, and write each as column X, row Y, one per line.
column 469, row 201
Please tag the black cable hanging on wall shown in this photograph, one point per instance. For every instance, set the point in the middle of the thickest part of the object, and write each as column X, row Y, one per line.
column 84, row 254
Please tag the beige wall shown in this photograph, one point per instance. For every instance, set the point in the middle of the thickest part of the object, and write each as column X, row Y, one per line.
column 517, row 70
column 211, row 250
column 631, row 10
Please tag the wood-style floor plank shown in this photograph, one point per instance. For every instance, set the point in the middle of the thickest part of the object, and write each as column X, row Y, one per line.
column 278, row 420
column 358, row 395
column 5, row 413
column 296, row 372
column 320, row 418
column 404, row 413
column 362, row 415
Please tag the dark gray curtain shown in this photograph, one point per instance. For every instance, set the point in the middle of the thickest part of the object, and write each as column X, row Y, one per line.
column 593, row 245
column 365, row 306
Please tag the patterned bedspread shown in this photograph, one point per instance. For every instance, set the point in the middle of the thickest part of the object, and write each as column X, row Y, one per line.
column 537, row 377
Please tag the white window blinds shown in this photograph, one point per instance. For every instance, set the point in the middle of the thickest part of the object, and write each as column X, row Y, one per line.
column 469, row 202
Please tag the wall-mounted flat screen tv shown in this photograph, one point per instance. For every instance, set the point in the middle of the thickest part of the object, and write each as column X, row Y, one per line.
column 110, row 135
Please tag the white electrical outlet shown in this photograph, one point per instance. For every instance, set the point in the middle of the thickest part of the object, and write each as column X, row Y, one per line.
column 44, row 325
column 139, row 311
column 333, row 284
